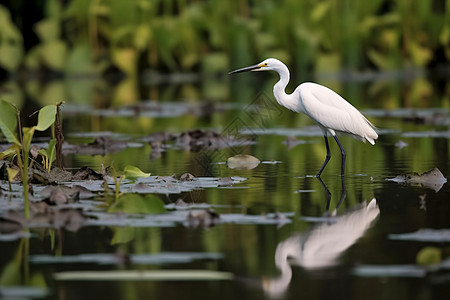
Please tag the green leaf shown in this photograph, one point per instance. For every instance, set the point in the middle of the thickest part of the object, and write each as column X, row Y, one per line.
column 48, row 30
column 10, row 275
column 28, row 133
column 11, row 42
column 11, row 173
column 13, row 150
column 51, row 150
column 10, row 56
column 138, row 204
column 132, row 172
column 8, row 121
column 80, row 60
column 54, row 54
column 142, row 37
column 429, row 256
column 46, row 117
column 123, row 235
column 42, row 152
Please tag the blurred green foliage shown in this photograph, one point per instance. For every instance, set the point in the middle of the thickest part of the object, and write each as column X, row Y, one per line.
column 89, row 36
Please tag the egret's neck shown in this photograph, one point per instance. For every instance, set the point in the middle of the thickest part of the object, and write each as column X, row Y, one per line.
column 279, row 89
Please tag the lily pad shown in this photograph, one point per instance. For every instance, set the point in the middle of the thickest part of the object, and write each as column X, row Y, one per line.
column 390, row 271
column 182, row 217
column 424, row 235
column 24, row 292
column 243, row 162
column 427, row 134
column 147, row 275
column 139, row 259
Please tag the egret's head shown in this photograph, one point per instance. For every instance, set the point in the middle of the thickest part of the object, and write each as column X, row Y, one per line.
column 265, row 65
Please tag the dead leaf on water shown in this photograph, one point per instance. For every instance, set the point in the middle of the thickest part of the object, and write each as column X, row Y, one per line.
column 8, row 225
column 432, row 179
column 225, row 181
column 57, row 195
column 187, row 177
column 243, row 162
column 86, row 173
column 54, row 217
column 60, row 194
column 56, row 174
column 204, row 218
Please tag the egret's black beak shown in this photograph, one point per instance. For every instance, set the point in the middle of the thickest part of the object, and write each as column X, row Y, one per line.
column 246, row 69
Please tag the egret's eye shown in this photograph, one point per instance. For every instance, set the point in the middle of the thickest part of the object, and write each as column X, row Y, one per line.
column 265, row 65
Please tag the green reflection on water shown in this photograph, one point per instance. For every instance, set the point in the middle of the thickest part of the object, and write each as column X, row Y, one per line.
column 285, row 186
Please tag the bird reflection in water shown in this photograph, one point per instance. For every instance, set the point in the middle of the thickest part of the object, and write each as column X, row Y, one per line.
column 321, row 246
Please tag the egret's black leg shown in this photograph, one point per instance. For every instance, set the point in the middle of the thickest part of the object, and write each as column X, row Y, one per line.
column 343, row 155
column 327, row 158
column 343, row 193
column 327, row 191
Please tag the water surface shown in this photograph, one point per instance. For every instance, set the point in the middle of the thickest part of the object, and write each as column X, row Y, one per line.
column 282, row 233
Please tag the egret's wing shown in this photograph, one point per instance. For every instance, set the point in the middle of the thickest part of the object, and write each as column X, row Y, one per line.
column 331, row 111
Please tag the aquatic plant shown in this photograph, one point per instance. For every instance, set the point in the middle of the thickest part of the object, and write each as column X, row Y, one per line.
column 85, row 36
column 48, row 155
column 129, row 172
column 9, row 120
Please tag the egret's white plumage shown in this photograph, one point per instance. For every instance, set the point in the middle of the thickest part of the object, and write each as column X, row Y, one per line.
column 324, row 106
column 321, row 246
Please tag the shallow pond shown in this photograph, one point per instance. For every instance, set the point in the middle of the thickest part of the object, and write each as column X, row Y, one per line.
column 275, row 231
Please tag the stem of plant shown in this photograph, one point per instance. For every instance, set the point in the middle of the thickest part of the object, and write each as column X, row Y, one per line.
column 25, row 182
column 117, row 184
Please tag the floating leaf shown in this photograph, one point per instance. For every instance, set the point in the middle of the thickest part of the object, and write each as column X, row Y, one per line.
column 132, row 172
column 243, row 162
column 424, row 235
column 116, row 258
column 155, row 275
column 24, row 292
column 383, row 271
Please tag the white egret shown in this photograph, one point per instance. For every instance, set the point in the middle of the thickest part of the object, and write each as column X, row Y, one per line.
column 320, row 247
column 324, row 106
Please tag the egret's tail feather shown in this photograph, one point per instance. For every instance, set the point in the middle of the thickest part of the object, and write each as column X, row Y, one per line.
column 371, row 137
column 371, row 140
